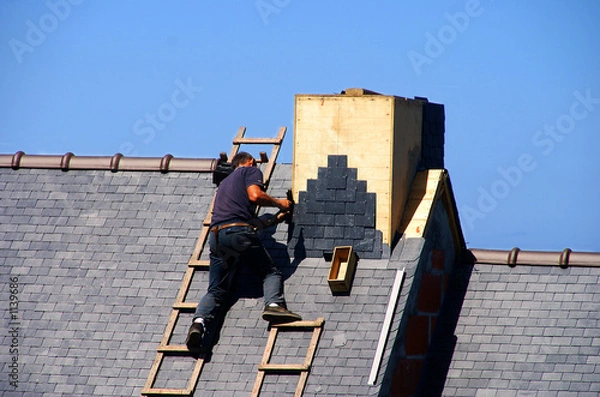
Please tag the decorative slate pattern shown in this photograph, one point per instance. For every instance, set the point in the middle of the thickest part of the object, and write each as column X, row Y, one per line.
column 336, row 210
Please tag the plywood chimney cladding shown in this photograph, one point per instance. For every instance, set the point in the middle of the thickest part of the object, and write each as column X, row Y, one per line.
column 380, row 134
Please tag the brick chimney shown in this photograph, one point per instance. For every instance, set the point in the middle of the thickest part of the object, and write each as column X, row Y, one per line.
column 355, row 156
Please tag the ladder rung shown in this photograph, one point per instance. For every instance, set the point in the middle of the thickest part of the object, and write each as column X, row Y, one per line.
column 186, row 306
column 173, row 349
column 283, row 367
column 166, row 392
column 301, row 324
column 259, row 141
column 202, row 263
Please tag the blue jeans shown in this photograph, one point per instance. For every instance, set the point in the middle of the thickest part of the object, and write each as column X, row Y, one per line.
column 237, row 246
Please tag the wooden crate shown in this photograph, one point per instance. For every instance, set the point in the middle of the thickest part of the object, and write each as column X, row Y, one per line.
column 341, row 272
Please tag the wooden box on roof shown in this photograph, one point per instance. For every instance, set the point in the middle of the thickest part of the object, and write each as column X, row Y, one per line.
column 341, row 272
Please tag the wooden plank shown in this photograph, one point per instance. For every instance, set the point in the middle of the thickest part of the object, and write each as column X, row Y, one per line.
column 256, row 141
column 269, row 348
column 166, row 392
column 338, row 125
column 274, row 153
column 359, row 92
column 283, row 367
column 447, row 200
column 203, row 264
column 195, row 375
column 236, row 146
column 424, row 209
column 170, row 326
column 153, row 371
column 301, row 324
column 199, row 244
column 258, row 384
column 301, row 384
column 173, row 349
column 427, row 188
column 312, row 347
column 185, row 306
column 208, row 216
column 185, row 285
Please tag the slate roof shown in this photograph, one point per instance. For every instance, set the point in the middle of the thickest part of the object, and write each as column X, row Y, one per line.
column 99, row 257
column 524, row 330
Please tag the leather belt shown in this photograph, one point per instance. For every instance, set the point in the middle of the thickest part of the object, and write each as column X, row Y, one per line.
column 228, row 225
column 217, row 228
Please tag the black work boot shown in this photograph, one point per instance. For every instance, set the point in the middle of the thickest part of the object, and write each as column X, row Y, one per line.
column 279, row 315
column 194, row 337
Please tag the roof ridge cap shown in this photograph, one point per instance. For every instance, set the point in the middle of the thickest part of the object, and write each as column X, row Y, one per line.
column 117, row 162
column 516, row 256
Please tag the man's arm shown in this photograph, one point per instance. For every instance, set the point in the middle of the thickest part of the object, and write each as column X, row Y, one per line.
column 258, row 197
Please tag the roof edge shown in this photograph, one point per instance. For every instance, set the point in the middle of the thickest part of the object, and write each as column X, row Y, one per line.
column 428, row 187
column 564, row 258
column 118, row 162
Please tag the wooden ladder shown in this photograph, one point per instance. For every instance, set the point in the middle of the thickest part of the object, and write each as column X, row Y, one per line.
column 303, row 368
column 196, row 263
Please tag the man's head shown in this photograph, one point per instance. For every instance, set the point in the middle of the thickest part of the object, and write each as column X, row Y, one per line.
column 242, row 159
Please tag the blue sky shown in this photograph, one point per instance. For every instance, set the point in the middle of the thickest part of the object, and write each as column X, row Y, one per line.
column 520, row 82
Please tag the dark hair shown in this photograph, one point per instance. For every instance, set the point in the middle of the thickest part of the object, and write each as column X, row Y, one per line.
column 240, row 158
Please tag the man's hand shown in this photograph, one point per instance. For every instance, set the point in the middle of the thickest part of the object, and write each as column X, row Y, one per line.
column 284, row 204
column 286, row 216
column 285, row 213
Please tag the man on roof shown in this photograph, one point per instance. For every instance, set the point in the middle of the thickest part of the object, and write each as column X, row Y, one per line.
column 234, row 242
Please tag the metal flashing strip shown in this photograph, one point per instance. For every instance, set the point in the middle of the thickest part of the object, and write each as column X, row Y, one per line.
column 115, row 163
column 385, row 329
column 516, row 256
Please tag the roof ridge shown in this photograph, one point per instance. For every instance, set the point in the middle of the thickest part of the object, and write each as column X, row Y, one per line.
column 117, row 162
column 516, row 256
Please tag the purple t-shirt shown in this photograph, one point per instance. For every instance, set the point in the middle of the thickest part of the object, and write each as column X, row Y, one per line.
column 232, row 202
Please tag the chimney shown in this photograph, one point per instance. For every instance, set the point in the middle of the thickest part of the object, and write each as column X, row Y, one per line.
column 355, row 156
